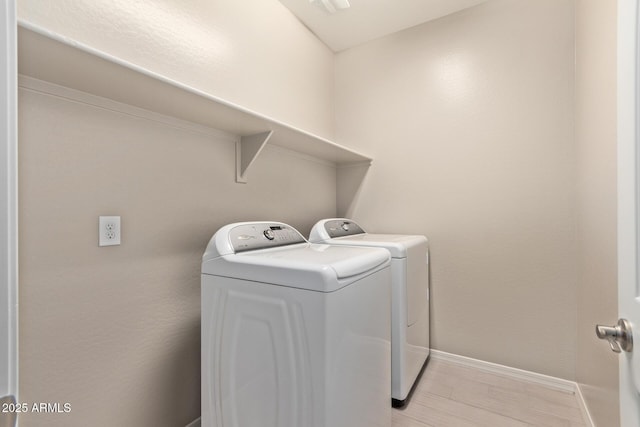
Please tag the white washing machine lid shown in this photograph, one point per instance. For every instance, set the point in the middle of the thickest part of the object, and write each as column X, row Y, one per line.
column 343, row 231
column 285, row 258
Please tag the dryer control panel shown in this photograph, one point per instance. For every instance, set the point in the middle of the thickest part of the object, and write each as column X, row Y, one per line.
column 341, row 227
column 249, row 237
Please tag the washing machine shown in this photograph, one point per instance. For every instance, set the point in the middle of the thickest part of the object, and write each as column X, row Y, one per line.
column 293, row 334
column 409, row 296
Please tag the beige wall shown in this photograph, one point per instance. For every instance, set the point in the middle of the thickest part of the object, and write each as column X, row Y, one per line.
column 596, row 365
column 470, row 121
column 115, row 331
column 254, row 53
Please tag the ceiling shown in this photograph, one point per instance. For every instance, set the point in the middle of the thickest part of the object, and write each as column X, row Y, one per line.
column 369, row 19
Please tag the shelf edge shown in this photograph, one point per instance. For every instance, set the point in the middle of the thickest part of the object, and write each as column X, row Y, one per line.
column 207, row 96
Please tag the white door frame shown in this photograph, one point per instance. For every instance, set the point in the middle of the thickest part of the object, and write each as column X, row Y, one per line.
column 628, row 204
column 8, row 201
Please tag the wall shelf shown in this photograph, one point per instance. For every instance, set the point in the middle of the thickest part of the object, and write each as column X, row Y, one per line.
column 53, row 58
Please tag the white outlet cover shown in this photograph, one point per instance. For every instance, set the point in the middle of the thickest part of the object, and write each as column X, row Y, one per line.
column 109, row 231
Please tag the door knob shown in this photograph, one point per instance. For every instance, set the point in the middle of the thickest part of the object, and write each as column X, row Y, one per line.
column 618, row 336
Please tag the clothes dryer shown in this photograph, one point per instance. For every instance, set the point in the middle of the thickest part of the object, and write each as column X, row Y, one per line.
column 409, row 295
column 293, row 334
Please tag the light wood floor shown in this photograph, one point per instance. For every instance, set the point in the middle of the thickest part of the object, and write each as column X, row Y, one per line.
column 451, row 395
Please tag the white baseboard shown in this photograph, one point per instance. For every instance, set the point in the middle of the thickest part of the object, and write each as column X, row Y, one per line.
column 584, row 408
column 194, row 423
column 533, row 377
column 520, row 374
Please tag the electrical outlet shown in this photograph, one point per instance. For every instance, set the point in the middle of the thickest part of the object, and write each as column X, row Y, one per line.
column 109, row 231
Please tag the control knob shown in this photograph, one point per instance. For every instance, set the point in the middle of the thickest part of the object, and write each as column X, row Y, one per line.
column 269, row 234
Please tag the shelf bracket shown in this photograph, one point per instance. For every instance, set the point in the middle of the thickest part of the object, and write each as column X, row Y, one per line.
column 247, row 150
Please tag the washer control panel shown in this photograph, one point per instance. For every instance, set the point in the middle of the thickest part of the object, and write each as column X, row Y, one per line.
column 341, row 227
column 249, row 237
